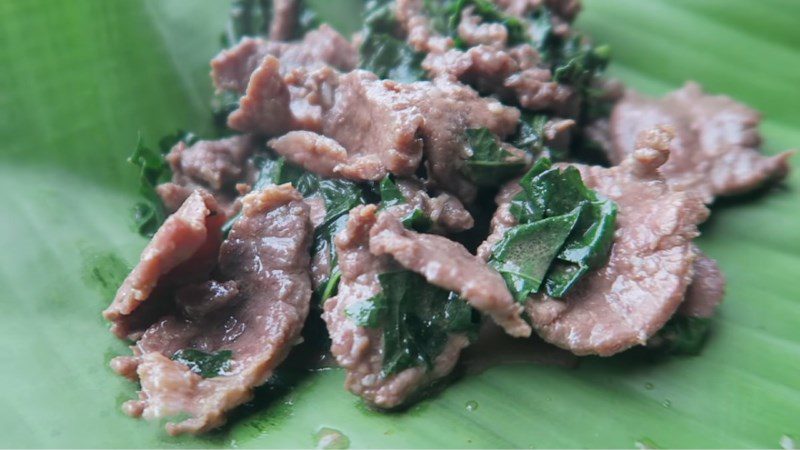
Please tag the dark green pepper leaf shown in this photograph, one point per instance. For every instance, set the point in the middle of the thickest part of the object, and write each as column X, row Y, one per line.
column 555, row 259
column 383, row 53
column 489, row 164
column 415, row 318
column 682, row 335
column 149, row 214
column 526, row 252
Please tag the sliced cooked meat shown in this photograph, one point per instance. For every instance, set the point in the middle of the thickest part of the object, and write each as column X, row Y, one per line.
column 512, row 74
column 232, row 68
column 474, row 31
column 183, row 250
column 449, row 265
column 384, row 126
column 445, row 211
column 378, row 123
column 650, row 267
column 214, row 166
column 419, row 33
column 311, row 151
column 706, row 291
column 715, row 151
column 256, row 314
column 449, row 110
column 360, row 350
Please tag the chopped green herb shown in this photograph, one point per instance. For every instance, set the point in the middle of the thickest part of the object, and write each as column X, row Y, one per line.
column 207, row 365
column 385, row 54
column 390, row 193
column 524, row 256
column 565, row 229
column 489, row 164
column 149, row 214
column 417, row 220
column 681, row 335
column 415, row 318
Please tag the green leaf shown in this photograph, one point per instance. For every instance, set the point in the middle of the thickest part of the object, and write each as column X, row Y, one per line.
column 526, row 252
column 489, row 163
column 390, row 195
column 81, row 78
column 581, row 240
column 415, row 318
column 384, row 54
column 681, row 335
column 207, row 365
column 149, row 214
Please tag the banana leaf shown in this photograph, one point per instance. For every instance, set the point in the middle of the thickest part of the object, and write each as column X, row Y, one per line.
column 81, row 79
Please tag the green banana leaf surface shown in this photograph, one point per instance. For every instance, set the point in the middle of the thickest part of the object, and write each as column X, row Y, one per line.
column 81, row 79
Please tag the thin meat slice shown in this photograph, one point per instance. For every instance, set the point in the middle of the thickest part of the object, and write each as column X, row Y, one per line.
column 446, row 212
column 359, row 350
column 417, row 27
column 384, row 126
column 214, row 166
column 706, row 291
column 449, row 265
column 513, row 74
column 183, row 250
column 378, row 122
column 715, row 150
column 256, row 313
column 650, row 267
column 231, row 69
column 311, row 151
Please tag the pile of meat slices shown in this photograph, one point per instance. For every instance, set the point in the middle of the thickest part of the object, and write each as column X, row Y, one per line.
column 249, row 292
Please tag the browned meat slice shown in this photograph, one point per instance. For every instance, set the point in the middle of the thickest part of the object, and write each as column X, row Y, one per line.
column 257, row 315
column 232, row 68
column 182, row 251
column 650, row 266
column 715, row 151
column 707, row 288
column 214, row 166
column 360, row 350
column 449, row 265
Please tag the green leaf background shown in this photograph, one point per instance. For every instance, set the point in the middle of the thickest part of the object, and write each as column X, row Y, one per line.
column 80, row 78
